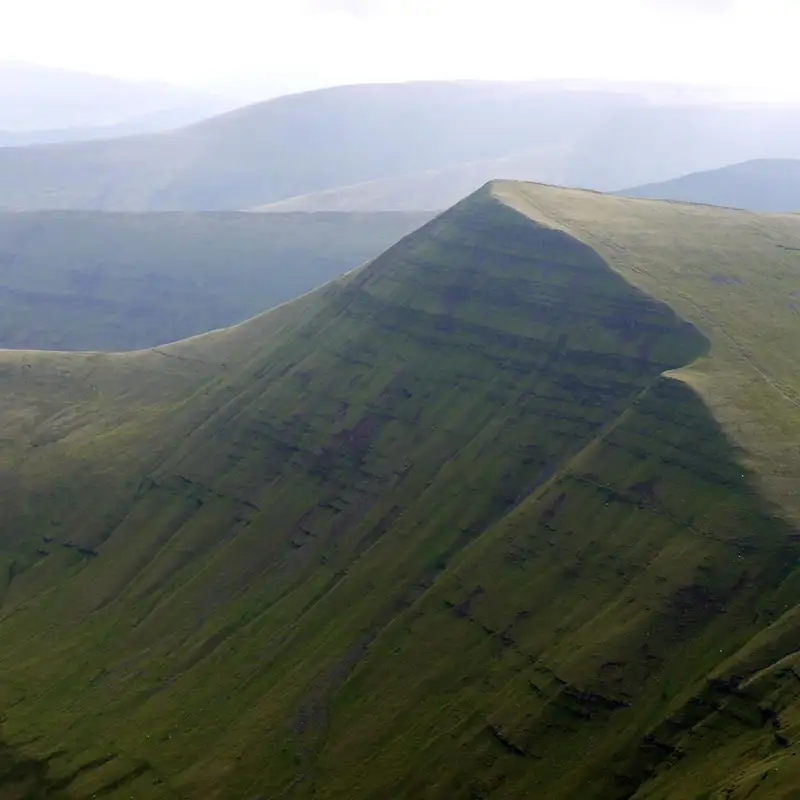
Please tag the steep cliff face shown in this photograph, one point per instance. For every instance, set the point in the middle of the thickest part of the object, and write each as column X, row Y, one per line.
column 442, row 529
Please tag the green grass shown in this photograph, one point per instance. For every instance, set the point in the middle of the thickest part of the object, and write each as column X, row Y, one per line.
column 734, row 275
column 500, row 514
column 94, row 281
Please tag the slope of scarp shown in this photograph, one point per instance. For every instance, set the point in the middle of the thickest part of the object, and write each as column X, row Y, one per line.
column 181, row 539
column 734, row 275
column 587, row 645
column 443, row 528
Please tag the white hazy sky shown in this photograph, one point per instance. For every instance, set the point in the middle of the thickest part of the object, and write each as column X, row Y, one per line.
column 321, row 42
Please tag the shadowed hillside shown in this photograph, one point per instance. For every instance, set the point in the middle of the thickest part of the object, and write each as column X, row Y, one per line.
column 94, row 281
column 765, row 185
column 502, row 513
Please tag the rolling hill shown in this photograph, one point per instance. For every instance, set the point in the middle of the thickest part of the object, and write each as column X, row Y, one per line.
column 298, row 144
column 146, row 123
column 660, row 141
column 434, row 190
column 762, row 185
column 424, row 143
column 97, row 281
column 510, row 511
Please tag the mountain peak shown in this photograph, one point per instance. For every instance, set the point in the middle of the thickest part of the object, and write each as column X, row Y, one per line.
column 510, row 499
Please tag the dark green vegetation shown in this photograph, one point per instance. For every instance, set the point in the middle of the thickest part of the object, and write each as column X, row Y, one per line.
column 343, row 137
column 509, row 512
column 762, row 185
column 96, row 281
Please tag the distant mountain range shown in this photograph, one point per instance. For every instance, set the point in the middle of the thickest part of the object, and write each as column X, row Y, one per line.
column 154, row 122
column 397, row 146
column 40, row 104
column 760, row 185
column 434, row 189
column 303, row 143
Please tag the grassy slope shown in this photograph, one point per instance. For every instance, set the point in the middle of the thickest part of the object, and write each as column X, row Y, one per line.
column 94, row 281
column 762, row 185
column 439, row 529
column 736, row 271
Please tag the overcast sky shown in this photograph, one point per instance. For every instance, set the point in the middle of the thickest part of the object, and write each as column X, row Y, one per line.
column 298, row 43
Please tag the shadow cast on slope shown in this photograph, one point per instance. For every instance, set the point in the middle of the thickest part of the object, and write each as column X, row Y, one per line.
column 450, row 536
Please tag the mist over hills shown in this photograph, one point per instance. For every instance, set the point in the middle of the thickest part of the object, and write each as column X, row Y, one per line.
column 435, row 189
column 509, row 511
column 758, row 185
column 98, row 281
column 299, row 144
column 154, row 122
column 396, row 147
column 762, row 185
column 661, row 141
column 61, row 102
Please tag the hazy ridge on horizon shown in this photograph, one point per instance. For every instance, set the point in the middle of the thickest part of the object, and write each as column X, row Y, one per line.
column 46, row 100
column 333, row 140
